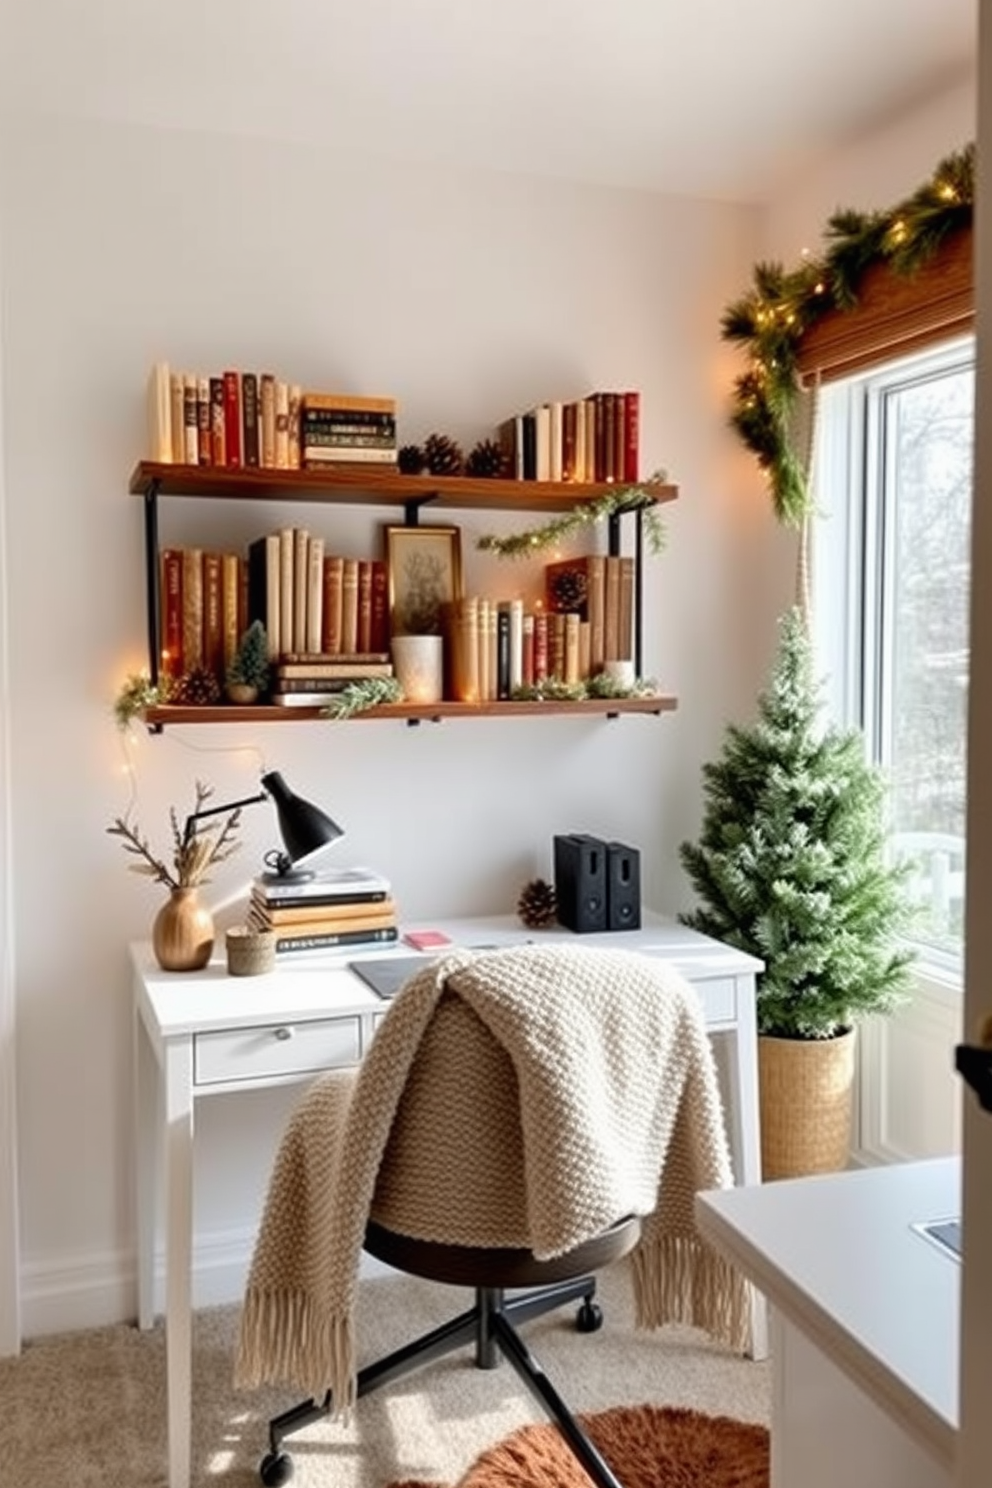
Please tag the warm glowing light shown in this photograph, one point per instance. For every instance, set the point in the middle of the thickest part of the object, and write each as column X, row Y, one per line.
column 819, row 287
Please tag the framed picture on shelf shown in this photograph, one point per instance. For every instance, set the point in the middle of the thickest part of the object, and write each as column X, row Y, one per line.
column 425, row 576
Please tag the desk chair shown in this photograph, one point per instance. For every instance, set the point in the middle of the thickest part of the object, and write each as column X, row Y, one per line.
column 490, row 1324
column 516, row 1094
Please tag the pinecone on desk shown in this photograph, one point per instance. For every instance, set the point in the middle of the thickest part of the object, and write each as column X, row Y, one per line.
column 537, row 905
column 443, row 455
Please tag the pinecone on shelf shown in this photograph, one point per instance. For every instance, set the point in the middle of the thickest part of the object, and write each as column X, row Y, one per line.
column 197, row 688
column 443, row 455
column 411, row 459
column 569, row 590
column 537, row 905
column 486, row 460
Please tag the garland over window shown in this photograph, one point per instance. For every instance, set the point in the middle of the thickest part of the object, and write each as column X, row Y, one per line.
column 772, row 320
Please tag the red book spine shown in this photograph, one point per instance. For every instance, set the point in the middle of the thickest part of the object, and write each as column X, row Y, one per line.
column 599, row 436
column 379, row 637
column 232, row 419
column 631, row 436
column 171, row 647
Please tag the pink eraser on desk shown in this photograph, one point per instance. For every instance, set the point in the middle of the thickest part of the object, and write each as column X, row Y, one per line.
column 426, row 940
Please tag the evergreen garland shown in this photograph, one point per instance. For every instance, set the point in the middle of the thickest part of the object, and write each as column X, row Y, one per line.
column 585, row 514
column 790, row 863
column 367, row 693
column 771, row 319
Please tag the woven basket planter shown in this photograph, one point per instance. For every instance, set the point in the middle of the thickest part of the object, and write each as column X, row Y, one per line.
column 806, row 1088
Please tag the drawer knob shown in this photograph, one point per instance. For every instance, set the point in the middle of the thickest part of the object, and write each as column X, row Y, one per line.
column 284, row 1033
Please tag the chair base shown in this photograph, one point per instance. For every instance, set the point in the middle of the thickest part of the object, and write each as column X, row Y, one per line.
column 489, row 1324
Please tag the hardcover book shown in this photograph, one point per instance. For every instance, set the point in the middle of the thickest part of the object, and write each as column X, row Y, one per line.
column 192, row 608
column 250, row 442
column 267, row 420
column 177, row 398
column 171, row 647
column 331, row 881
column 282, row 426
column 160, row 414
column 232, row 418
column 190, row 421
column 291, row 944
column 218, row 429
column 204, row 422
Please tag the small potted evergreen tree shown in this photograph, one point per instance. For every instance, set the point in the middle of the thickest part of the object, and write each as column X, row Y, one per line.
column 248, row 674
column 790, row 865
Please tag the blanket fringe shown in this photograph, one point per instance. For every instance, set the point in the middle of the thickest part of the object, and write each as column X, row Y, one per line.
column 679, row 1279
column 285, row 1338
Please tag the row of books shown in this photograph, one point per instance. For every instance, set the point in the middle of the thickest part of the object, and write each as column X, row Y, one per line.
column 309, row 601
column 312, row 600
column 596, row 438
column 343, row 907
column 244, row 420
column 498, row 646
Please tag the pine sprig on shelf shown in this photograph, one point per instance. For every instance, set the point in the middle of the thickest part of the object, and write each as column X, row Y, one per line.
column 553, row 690
column 583, row 515
column 367, row 693
column 135, row 695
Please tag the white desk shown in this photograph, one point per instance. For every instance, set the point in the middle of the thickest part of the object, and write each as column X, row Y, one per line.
column 864, row 1321
column 200, row 1034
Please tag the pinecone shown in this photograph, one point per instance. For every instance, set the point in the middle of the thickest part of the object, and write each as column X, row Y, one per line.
column 443, row 455
column 568, row 589
column 411, row 459
column 487, row 460
column 537, row 905
column 197, row 688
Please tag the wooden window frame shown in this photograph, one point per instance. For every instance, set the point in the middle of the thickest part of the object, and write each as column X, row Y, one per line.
column 896, row 314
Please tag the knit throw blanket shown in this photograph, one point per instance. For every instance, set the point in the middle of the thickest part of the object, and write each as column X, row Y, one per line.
column 595, row 1068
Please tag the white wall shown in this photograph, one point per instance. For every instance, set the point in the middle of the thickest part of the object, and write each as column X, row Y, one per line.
column 468, row 297
column 909, row 1097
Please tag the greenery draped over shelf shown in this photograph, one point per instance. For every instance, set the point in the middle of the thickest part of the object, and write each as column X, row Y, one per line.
column 583, row 515
column 772, row 318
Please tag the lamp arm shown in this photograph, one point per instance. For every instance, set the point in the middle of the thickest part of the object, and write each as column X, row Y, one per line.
column 195, row 816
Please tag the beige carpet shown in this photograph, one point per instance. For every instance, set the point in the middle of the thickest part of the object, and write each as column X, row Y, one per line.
column 87, row 1410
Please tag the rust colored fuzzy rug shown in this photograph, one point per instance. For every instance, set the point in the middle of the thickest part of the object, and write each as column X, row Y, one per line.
column 647, row 1446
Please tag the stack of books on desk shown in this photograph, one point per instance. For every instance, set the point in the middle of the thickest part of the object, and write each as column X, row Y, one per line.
column 343, row 907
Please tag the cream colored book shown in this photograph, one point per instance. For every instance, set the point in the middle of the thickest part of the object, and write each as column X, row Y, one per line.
column 160, row 414
column 315, row 594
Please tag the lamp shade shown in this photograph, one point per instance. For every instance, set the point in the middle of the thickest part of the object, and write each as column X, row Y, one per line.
column 304, row 828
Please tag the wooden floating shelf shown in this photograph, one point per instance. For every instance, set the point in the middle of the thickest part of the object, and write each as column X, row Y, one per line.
column 161, row 717
column 364, row 485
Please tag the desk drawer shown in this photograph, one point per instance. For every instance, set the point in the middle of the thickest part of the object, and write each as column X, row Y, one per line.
column 718, row 996
column 277, row 1049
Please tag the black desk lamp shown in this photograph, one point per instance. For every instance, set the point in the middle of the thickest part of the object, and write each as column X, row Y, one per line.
column 304, row 828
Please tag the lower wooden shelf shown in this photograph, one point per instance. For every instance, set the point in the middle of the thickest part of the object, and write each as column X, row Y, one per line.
column 161, row 717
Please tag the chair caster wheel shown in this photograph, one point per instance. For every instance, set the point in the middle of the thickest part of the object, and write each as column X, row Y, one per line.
column 589, row 1318
column 275, row 1469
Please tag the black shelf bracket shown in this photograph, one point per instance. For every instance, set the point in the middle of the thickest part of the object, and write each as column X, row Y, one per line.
column 153, row 596
column 411, row 508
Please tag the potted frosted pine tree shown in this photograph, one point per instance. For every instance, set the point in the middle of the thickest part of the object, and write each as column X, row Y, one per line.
column 791, row 866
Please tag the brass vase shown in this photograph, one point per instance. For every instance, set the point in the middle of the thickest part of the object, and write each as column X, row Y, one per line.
column 183, row 932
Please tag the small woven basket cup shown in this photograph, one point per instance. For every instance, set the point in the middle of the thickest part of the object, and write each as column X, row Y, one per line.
column 250, row 952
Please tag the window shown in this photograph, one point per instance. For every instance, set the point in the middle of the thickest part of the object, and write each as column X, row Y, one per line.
column 891, row 578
